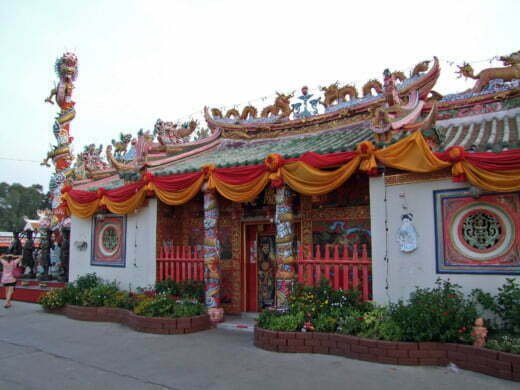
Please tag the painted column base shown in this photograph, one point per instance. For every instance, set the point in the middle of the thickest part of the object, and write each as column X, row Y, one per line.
column 216, row 315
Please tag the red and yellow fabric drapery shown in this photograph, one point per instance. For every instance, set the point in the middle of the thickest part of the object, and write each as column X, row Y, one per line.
column 310, row 174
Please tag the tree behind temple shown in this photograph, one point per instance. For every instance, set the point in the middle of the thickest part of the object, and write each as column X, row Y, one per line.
column 17, row 201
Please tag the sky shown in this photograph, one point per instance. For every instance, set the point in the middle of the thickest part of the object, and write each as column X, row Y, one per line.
column 144, row 60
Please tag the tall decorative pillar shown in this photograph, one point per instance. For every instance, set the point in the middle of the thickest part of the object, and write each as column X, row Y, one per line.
column 212, row 275
column 285, row 271
column 66, row 68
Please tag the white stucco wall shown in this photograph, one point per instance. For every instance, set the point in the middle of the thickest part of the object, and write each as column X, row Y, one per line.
column 405, row 271
column 139, row 270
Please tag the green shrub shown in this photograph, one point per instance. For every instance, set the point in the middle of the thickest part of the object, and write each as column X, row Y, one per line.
column 188, row 309
column 192, row 289
column 188, row 289
column 163, row 306
column 506, row 305
column 351, row 323
column 53, row 299
column 505, row 344
column 264, row 319
column 376, row 323
column 281, row 322
column 99, row 295
column 121, row 299
column 167, row 286
column 325, row 323
column 438, row 314
column 159, row 306
column 324, row 300
column 72, row 295
column 87, row 282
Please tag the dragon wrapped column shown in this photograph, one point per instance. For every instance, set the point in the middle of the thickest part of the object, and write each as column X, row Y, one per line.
column 66, row 68
column 284, row 247
column 212, row 276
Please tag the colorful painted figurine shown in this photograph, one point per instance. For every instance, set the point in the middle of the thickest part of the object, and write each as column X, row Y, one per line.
column 479, row 333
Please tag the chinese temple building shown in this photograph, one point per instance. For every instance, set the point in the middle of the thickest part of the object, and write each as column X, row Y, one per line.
column 380, row 189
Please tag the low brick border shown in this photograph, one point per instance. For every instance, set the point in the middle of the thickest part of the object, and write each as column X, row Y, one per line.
column 157, row 325
column 500, row 364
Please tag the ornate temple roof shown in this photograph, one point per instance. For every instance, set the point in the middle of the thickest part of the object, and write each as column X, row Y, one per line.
column 239, row 152
column 487, row 132
column 485, row 119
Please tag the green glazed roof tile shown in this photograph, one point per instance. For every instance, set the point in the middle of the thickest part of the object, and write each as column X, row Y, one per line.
column 236, row 153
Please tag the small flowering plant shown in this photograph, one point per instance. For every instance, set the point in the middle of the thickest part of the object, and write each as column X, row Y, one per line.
column 323, row 300
column 505, row 343
column 442, row 313
column 52, row 300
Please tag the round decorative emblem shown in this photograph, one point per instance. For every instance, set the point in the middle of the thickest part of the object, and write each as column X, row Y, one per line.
column 482, row 231
column 109, row 240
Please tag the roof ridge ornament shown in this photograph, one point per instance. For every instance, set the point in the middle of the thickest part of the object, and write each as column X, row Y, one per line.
column 510, row 72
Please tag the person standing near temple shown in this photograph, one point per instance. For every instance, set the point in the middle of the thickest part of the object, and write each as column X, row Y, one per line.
column 55, row 256
column 9, row 263
column 16, row 245
column 27, row 254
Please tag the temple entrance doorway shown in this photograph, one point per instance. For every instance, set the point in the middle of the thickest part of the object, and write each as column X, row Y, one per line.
column 265, row 270
column 259, row 266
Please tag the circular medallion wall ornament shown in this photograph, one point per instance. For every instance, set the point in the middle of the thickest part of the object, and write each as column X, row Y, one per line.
column 482, row 231
column 108, row 239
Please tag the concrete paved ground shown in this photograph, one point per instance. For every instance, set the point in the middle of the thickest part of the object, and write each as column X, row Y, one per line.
column 45, row 351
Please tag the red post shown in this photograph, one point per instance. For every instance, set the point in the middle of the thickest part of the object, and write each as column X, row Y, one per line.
column 355, row 270
column 345, row 277
column 327, row 262
column 364, row 258
column 345, row 252
column 336, row 277
column 300, row 265
column 308, row 279
column 365, row 281
column 336, row 252
column 317, row 266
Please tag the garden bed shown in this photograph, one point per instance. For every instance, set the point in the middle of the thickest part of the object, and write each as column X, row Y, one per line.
column 499, row 364
column 159, row 325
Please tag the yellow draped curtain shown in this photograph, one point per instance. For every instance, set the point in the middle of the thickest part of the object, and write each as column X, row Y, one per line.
column 175, row 198
column 312, row 181
column 82, row 210
column 239, row 192
column 499, row 181
column 409, row 154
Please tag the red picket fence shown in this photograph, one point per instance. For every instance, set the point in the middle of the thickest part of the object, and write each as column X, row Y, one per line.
column 180, row 263
column 343, row 270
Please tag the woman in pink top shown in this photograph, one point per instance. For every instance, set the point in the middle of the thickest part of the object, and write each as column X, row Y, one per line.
column 9, row 263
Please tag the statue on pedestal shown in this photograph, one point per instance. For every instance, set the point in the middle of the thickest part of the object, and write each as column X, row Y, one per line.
column 27, row 254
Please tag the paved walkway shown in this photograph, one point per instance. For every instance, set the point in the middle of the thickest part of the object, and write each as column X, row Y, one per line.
column 45, row 351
